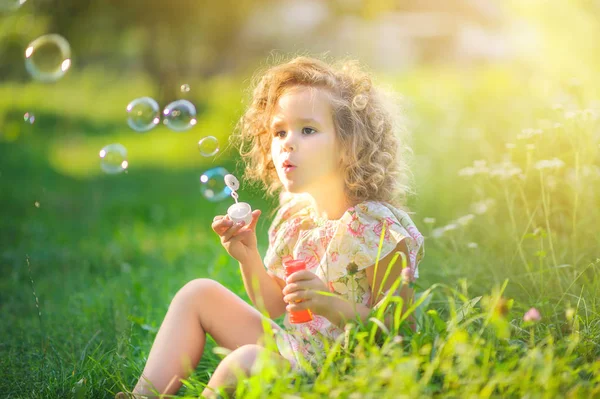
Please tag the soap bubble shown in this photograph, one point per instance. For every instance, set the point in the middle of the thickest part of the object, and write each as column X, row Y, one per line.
column 212, row 184
column 185, row 88
column 11, row 5
column 48, row 58
column 29, row 118
column 180, row 115
column 143, row 114
column 113, row 159
column 208, row 146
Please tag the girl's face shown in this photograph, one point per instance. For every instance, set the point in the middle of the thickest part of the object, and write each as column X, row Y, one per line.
column 303, row 134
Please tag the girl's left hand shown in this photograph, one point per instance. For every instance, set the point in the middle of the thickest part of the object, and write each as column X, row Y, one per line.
column 304, row 286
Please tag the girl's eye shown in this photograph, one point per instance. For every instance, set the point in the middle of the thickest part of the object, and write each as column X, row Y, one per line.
column 305, row 130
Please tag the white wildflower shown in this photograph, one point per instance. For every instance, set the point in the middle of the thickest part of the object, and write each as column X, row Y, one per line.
column 530, row 147
column 450, row 226
column 468, row 171
column 570, row 114
column 472, row 245
column 465, row 220
column 553, row 163
column 429, row 220
column 437, row 233
column 585, row 172
column 479, row 167
column 483, row 206
column 529, row 133
column 505, row 170
column 440, row 231
column 510, row 146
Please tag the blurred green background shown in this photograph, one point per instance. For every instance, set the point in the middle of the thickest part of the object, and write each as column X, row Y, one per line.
column 89, row 262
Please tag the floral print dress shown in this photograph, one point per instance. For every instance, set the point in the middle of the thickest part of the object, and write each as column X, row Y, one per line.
column 338, row 252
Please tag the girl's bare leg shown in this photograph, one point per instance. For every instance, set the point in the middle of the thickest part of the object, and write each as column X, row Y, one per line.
column 201, row 306
column 240, row 360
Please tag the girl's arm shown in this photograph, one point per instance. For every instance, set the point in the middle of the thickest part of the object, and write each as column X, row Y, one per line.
column 269, row 290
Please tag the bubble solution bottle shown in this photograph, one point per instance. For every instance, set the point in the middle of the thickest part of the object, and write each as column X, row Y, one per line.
column 300, row 316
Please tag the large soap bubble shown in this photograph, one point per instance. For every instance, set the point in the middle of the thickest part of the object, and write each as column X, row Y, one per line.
column 48, row 57
column 212, row 184
column 113, row 158
column 143, row 114
column 180, row 115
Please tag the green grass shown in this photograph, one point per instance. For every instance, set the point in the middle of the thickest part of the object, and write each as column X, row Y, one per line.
column 104, row 255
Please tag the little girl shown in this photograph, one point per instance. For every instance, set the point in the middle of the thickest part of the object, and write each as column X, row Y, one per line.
column 329, row 142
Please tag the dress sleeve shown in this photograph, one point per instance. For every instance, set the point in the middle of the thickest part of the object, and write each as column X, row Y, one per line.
column 355, row 244
column 283, row 232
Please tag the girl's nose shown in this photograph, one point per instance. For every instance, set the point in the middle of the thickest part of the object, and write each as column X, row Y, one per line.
column 289, row 142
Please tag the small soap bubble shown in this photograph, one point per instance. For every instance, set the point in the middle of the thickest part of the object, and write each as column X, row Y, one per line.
column 208, row 146
column 212, row 184
column 48, row 57
column 29, row 118
column 143, row 114
column 11, row 5
column 113, row 158
column 180, row 115
column 185, row 88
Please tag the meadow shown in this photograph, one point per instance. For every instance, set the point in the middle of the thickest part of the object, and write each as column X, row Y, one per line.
column 507, row 171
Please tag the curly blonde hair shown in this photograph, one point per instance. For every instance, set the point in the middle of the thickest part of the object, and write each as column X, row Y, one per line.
column 367, row 120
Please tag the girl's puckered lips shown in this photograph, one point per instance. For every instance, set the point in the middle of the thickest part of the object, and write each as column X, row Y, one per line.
column 286, row 164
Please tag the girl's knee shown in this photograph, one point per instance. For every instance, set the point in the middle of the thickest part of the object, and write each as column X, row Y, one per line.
column 244, row 357
column 200, row 287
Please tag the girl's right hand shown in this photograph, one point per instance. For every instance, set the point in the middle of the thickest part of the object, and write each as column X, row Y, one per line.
column 239, row 241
